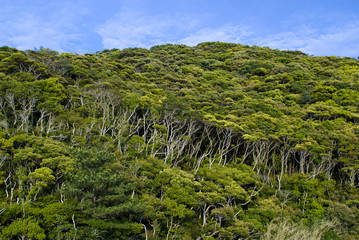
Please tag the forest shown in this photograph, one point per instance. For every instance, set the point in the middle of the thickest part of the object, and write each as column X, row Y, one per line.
column 215, row 141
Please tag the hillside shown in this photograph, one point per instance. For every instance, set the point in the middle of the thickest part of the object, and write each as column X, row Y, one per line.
column 217, row 141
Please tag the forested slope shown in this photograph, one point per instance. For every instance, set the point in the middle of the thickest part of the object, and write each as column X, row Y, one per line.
column 217, row 141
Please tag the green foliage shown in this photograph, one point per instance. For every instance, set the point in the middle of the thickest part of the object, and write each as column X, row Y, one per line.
column 346, row 216
column 24, row 228
column 174, row 142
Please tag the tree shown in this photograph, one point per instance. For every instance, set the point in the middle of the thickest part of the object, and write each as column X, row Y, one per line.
column 24, row 229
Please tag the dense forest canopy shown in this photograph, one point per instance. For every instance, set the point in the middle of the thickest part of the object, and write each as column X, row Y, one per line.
column 217, row 141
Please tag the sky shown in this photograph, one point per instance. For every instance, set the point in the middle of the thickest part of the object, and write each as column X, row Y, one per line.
column 315, row 27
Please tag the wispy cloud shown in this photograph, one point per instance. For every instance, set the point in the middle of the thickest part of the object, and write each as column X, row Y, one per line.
column 132, row 29
column 344, row 42
column 78, row 25
column 226, row 33
column 52, row 26
column 28, row 32
column 337, row 41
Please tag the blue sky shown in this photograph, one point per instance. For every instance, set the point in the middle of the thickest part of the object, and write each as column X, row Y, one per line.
column 317, row 27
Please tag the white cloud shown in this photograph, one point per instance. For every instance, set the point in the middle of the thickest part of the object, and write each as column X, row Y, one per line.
column 343, row 41
column 136, row 29
column 132, row 29
column 28, row 32
column 66, row 26
column 227, row 33
column 52, row 26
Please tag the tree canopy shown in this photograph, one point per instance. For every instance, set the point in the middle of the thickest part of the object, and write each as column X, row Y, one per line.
column 216, row 141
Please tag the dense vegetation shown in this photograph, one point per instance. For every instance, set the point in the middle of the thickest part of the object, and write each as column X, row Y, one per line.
column 217, row 141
